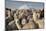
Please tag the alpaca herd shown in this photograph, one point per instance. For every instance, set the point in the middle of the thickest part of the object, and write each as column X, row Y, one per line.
column 25, row 19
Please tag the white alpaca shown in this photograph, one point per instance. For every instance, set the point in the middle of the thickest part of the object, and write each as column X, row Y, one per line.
column 16, row 22
column 40, row 22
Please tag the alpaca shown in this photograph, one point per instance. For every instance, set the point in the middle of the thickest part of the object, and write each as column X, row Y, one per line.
column 36, row 17
column 16, row 19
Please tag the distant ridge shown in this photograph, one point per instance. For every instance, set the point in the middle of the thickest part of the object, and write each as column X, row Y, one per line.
column 23, row 7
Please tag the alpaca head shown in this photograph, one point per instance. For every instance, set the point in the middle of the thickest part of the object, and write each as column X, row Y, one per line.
column 36, row 14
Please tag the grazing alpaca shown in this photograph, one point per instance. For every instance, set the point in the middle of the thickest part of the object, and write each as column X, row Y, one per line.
column 36, row 17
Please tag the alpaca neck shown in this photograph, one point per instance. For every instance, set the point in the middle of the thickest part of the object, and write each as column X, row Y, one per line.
column 17, row 24
column 34, row 16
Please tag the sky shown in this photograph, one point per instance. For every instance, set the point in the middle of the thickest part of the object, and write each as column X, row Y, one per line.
column 16, row 4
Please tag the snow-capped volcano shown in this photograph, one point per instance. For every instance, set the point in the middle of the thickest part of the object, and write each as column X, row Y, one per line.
column 24, row 7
